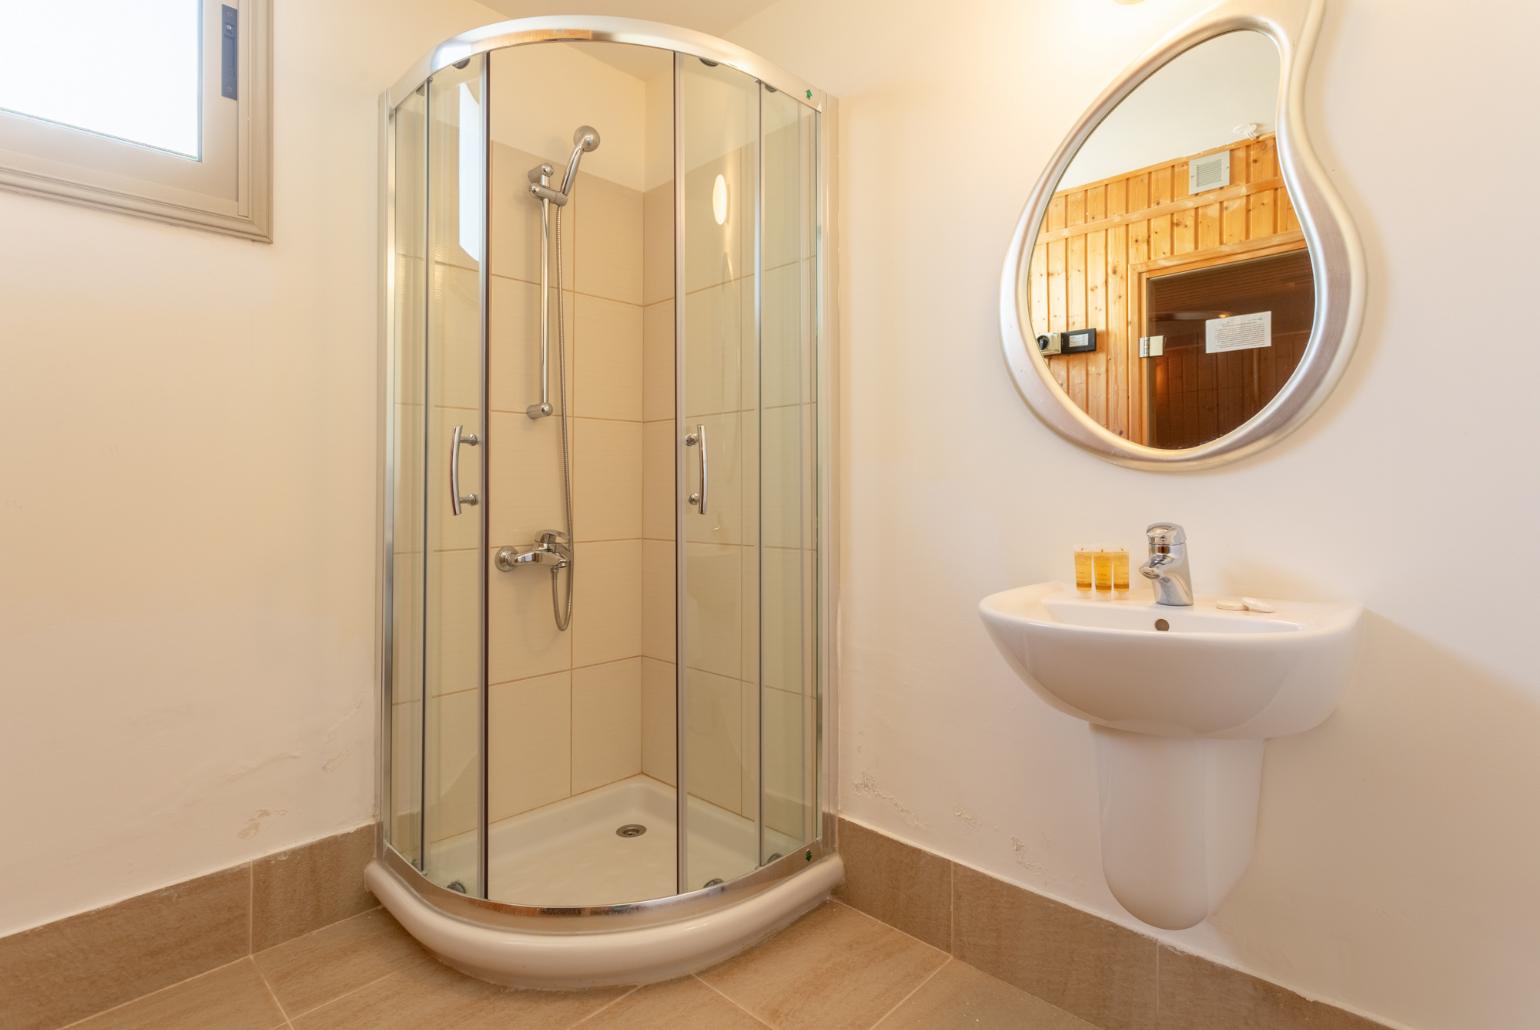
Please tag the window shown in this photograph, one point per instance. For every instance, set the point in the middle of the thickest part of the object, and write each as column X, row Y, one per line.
column 159, row 107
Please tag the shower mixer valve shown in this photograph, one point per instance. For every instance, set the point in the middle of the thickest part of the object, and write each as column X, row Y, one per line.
column 552, row 550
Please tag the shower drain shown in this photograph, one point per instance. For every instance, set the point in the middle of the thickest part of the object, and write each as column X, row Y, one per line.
column 712, row 882
column 631, row 830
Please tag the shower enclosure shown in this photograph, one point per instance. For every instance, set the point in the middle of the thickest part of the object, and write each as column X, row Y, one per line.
column 606, row 715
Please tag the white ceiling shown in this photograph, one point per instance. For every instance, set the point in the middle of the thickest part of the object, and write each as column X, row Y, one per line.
column 713, row 16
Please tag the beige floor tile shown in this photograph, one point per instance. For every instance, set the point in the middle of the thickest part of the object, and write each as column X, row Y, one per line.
column 432, row 995
column 960, row 997
column 308, row 887
column 1196, row 994
column 903, row 886
column 684, row 1004
column 833, row 969
column 1077, row 961
column 231, row 997
column 79, row 966
column 319, row 967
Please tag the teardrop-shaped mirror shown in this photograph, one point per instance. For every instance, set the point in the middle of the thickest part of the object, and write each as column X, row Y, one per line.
column 1184, row 287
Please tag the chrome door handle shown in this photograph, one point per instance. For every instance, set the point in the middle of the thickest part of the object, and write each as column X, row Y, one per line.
column 455, row 497
column 698, row 438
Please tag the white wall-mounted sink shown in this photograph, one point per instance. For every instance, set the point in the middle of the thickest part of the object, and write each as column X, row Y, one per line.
column 1180, row 701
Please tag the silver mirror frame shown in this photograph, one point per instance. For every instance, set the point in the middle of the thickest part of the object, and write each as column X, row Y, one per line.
column 1335, row 252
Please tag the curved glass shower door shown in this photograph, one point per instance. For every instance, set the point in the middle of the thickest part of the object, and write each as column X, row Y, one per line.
column 439, row 505
column 602, row 482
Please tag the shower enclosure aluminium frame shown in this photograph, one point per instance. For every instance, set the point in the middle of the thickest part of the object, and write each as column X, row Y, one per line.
column 667, row 936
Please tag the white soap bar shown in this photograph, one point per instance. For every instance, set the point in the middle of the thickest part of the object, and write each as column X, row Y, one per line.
column 1255, row 605
column 1230, row 606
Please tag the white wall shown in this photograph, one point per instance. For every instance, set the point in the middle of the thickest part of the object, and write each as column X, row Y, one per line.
column 1194, row 103
column 187, row 521
column 1396, row 868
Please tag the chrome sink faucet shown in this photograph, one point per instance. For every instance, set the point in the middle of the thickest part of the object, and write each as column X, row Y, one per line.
column 1167, row 564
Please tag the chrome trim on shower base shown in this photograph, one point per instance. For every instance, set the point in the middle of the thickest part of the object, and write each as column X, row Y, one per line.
column 622, row 955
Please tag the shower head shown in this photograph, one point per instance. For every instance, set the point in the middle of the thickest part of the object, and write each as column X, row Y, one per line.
column 584, row 140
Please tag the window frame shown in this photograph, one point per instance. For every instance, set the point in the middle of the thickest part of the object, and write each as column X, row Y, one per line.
column 228, row 189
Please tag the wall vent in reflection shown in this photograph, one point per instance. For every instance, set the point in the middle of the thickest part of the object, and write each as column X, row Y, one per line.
column 1210, row 172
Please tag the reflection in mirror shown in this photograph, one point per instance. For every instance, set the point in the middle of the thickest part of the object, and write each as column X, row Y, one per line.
column 1170, row 288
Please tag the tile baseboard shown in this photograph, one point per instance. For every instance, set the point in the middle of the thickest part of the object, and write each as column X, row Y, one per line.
column 1101, row 971
column 74, row 967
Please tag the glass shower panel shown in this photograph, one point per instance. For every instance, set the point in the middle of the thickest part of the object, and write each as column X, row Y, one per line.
column 454, row 650
column 718, row 170
column 408, row 412
column 788, row 556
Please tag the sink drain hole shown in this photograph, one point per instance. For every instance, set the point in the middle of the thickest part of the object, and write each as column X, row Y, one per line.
column 1162, row 625
column 631, row 830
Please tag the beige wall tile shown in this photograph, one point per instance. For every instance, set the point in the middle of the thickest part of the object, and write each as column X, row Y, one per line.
column 658, row 623
column 304, row 888
column 530, row 732
column 835, row 968
column 712, row 608
column 609, row 239
column 790, row 186
column 786, row 353
column 659, row 725
column 960, row 997
column 714, row 749
column 749, row 793
column 715, row 321
column 1069, row 958
column 515, row 227
column 513, row 362
column 717, row 253
column 525, row 495
column 901, row 885
column 232, row 997
column 787, row 484
column 658, row 371
column 606, row 723
column 1196, row 994
column 526, row 642
column 608, row 339
column 454, row 338
column 607, row 480
column 658, row 476
column 405, row 778
column 658, row 243
column 453, row 624
column 607, row 617
column 787, row 605
column 311, row 970
column 452, row 788
column 787, row 737
column 72, row 968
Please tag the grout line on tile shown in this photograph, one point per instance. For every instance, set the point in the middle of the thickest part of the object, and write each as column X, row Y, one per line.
column 605, row 1007
column 251, row 908
column 346, row 994
column 713, row 988
column 312, row 933
column 902, row 1001
column 272, row 993
column 150, row 994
